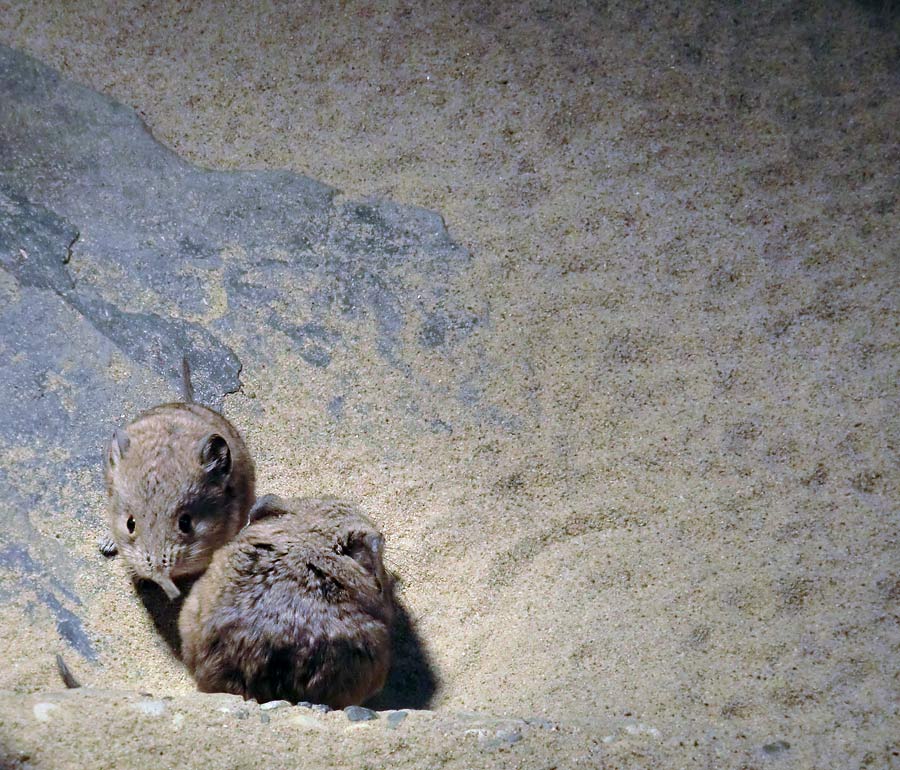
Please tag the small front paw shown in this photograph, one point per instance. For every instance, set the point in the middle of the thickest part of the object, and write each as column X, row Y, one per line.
column 107, row 546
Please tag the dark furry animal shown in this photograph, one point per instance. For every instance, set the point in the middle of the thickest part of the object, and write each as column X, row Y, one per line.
column 297, row 607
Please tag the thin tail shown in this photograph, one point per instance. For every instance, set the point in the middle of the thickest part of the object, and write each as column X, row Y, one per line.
column 186, row 387
column 68, row 677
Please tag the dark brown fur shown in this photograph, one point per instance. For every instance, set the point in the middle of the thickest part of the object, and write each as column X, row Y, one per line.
column 297, row 607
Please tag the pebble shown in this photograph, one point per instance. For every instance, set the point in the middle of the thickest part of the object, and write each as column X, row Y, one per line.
column 359, row 714
column 307, row 722
column 321, row 708
column 238, row 710
column 544, row 724
column 42, row 711
column 273, row 704
column 264, row 718
column 501, row 738
column 641, row 729
column 152, row 708
column 776, row 747
column 395, row 718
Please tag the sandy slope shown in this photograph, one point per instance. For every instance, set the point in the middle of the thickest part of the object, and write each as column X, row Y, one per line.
column 681, row 505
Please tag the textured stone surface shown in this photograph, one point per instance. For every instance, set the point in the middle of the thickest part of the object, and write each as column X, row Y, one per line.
column 648, row 500
column 121, row 258
column 360, row 714
column 43, row 732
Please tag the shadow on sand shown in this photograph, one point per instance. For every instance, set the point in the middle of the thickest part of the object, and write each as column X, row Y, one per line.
column 164, row 611
column 412, row 681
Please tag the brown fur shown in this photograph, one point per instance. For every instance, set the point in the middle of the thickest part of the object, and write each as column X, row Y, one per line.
column 297, row 607
column 176, row 460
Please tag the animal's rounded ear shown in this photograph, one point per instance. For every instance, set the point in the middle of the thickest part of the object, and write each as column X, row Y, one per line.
column 117, row 447
column 267, row 505
column 367, row 549
column 215, row 456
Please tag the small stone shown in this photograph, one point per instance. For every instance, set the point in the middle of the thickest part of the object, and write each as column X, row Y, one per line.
column 152, row 708
column 544, row 724
column 776, row 747
column 641, row 729
column 273, row 704
column 500, row 739
column 264, row 718
column 320, row 708
column 359, row 714
column 307, row 722
column 42, row 711
column 228, row 704
column 241, row 713
column 395, row 718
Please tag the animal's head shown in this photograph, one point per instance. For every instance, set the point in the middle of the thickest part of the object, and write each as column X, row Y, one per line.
column 172, row 500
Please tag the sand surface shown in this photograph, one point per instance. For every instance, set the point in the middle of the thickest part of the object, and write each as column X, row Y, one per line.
column 679, row 508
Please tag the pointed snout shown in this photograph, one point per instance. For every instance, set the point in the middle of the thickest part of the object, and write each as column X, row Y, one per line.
column 165, row 582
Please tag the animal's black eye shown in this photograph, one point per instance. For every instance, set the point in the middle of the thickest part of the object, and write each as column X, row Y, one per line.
column 184, row 523
column 130, row 524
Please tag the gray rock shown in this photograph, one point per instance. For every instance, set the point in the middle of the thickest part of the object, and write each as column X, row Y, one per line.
column 359, row 714
column 51, row 592
column 273, row 704
column 117, row 258
column 776, row 747
column 321, row 708
column 500, row 739
column 395, row 718
column 544, row 724
column 42, row 710
column 152, row 708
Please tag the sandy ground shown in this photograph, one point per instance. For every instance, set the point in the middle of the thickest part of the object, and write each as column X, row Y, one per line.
column 681, row 506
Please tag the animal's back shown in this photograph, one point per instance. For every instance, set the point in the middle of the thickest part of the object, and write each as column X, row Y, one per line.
column 297, row 607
